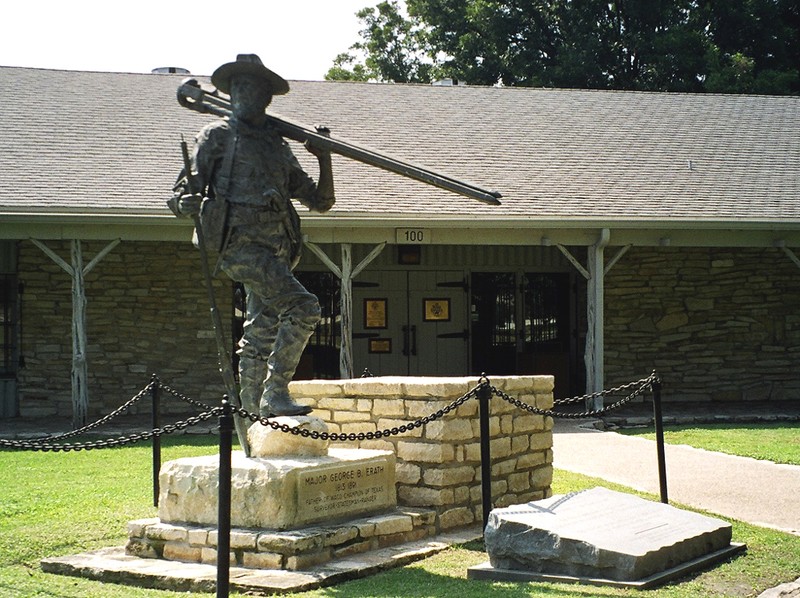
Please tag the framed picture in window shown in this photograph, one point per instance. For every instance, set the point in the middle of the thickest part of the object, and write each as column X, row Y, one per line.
column 436, row 310
column 376, row 313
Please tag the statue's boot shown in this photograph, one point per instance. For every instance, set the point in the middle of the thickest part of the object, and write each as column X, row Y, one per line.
column 251, row 382
column 281, row 365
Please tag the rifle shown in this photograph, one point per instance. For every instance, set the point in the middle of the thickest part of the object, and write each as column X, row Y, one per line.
column 194, row 97
column 224, row 357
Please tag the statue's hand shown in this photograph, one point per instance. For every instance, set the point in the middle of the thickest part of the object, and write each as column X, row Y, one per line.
column 318, row 151
column 189, row 204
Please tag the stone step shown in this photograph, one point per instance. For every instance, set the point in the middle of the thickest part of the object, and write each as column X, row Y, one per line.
column 292, row 550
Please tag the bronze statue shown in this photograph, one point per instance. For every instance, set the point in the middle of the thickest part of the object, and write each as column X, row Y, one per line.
column 246, row 176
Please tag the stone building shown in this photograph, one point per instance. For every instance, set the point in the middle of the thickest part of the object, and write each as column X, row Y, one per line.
column 637, row 231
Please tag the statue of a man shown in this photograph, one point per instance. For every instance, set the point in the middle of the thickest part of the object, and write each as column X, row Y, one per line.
column 248, row 175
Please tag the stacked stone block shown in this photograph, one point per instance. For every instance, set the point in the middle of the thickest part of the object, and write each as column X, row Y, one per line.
column 439, row 463
column 293, row 550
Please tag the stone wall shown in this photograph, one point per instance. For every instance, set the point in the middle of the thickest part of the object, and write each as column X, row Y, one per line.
column 717, row 324
column 439, row 464
column 146, row 311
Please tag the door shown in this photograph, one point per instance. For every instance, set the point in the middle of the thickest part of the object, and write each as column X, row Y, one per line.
column 522, row 324
column 546, row 346
column 410, row 323
column 9, row 351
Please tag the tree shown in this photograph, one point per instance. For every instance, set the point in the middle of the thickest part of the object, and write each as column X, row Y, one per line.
column 744, row 46
column 394, row 48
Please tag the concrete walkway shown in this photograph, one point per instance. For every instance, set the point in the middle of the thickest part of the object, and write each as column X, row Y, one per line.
column 758, row 492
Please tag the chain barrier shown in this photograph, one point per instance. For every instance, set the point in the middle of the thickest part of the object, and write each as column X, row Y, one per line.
column 182, row 397
column 103, row 420
column 111, row 442
column 353, row 436
column 643, row 385
column 46, row 444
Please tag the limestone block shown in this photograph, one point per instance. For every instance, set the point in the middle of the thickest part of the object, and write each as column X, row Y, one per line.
column 137, row 527
column 458, row 517
column 178, row 551
column 262, row 560
column 425, row 497
column 541, row 441
column 500, row 447
column 519, row 482
column 519, row 444
column 528, row 423
column 450, row 476
column 166, row 532
column 388, row 408
column 303, row 540
column 242, row 539
column 448, row 430
column 600, row 534
column 267, row 442
column 408, row 473
column 392, row 524
column 139, row 548
column 425, row 452
column 279, row 493
column 315, row 389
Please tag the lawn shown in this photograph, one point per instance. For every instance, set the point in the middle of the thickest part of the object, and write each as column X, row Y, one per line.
column 774, row 441
column 65, row 503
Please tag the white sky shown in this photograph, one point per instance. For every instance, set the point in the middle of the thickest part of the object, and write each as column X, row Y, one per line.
column 298, row 39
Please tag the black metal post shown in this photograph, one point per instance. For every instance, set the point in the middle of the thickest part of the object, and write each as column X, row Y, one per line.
column 659, row 425
column 224, row 500
column 484, row 395
column 155, row 393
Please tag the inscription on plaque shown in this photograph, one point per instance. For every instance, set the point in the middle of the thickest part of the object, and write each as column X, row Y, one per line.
column 344, row 489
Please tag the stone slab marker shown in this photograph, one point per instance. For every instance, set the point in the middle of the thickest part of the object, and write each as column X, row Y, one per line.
column 601, row 534
column 280, row 493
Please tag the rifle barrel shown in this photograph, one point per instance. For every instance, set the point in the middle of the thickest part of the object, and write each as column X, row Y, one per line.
column 192, row 96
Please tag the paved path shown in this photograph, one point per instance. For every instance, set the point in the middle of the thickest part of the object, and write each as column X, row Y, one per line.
column 758, row 492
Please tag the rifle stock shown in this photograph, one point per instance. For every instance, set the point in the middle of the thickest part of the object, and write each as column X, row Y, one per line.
column 194, row 97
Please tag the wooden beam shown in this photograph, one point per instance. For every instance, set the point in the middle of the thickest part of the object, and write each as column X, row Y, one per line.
column 80, row 369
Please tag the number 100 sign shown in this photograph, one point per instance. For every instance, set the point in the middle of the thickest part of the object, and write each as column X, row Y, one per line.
column 412, row 236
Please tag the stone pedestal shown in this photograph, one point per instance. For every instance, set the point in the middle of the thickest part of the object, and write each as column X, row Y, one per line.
column 280, row 493
column 600, row 534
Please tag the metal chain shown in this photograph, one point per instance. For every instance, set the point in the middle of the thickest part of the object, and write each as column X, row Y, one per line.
column 184, row 398
column 353, row 436
column 111, row 442
column 103, row 420
column 645, row 384
column 601, row 393
column 45, row 444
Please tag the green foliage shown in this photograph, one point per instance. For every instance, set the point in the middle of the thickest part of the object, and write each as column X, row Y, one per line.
column 778, row 442
column 737, row 46
column 65, row 503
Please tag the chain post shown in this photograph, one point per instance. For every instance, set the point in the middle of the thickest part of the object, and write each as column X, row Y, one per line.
column 484, row 396
column 155, row 394
column 659, row 426
column 226, row 426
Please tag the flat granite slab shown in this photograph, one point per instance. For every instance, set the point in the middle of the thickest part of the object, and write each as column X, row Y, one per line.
column 114, row 566
column 600, row 534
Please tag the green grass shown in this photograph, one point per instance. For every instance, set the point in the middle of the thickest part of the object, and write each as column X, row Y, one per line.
column 64, row 503
column 778, row 442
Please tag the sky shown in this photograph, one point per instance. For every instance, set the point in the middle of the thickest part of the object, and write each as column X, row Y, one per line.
column 298, row 39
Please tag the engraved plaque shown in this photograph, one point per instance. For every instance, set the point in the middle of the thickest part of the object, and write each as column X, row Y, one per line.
column 345, row 489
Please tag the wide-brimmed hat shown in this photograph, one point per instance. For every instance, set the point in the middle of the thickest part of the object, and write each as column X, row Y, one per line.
column 248, row 64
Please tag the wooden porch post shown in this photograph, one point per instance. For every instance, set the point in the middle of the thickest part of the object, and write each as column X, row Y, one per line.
column 346, row 274
column 80, row 369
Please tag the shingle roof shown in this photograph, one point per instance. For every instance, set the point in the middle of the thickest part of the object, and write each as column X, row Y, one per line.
column 98, row 142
